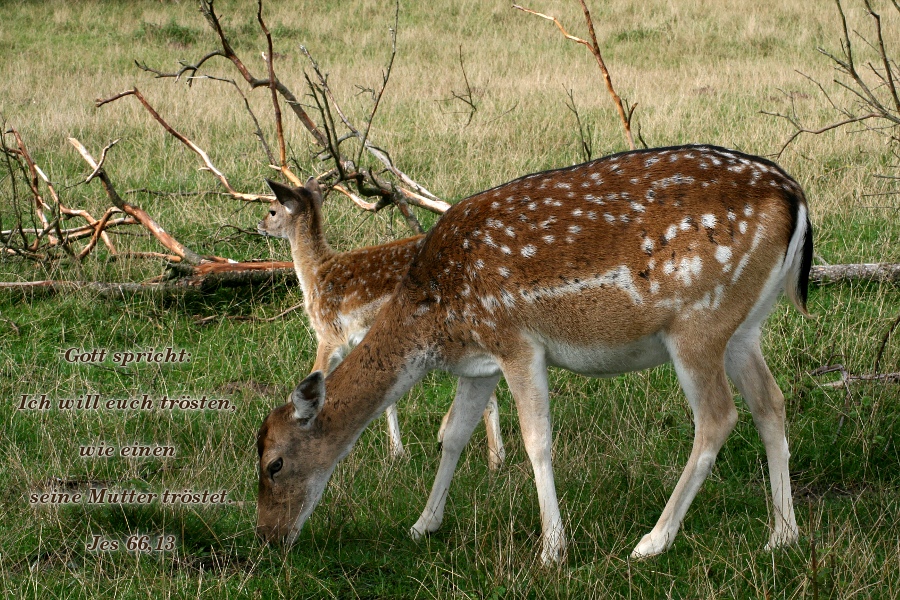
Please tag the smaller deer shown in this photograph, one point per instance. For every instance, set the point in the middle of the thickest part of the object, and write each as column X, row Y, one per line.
column 343, row 291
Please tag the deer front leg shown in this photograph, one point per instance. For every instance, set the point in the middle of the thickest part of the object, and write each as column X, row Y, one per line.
column 526, row 375
column 496, row 452
column 471, row 398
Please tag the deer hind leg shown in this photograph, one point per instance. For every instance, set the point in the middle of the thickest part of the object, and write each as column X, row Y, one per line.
column 748, row 370
column 702, row 377
column 527, row 379
column 471, row 397
column 496, row 451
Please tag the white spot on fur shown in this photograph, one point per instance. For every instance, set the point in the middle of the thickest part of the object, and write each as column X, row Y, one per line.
column 670, row 233
column 609, row 217
column 528, row 251
column 685, row 224
column 574, row 228
column 742, row 226
column 479, row 264
column 504, row 272
column 637, row 207
column 654, row 287
column 505, row 250
column 576, row 212
column 669, row 267
column 549, row 239
column 647, row 245
column 563, row 185
column 748, row 210
column 723, row 254
column 688, row 269
column 708, row 220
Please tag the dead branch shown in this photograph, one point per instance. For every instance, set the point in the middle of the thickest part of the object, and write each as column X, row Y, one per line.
column 432, row 202
column 877, row 104
column 882, row 272
column 63, row 236
column 412, row 192
column 139, row 214
column 209, row 166
column 279, row 127
column 624, row 115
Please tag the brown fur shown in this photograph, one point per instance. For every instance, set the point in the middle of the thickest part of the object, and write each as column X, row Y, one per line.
column 610, row 266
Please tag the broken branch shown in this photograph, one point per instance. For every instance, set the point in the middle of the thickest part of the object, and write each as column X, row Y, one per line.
column 139, row 214
column 594, row 47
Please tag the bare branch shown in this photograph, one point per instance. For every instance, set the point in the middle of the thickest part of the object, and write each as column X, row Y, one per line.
column 164, row 238
column 594, row 47
column 279, row 128
column 209, row 166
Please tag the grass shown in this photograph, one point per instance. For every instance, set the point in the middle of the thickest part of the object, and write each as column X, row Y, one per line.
column 700, row 72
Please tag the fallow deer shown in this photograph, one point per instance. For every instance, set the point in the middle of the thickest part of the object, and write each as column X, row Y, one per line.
column 619, row 264
column 342, row 292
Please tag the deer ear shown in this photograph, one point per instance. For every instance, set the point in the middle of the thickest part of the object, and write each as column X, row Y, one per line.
column 313, row 187
column 286, row 195
column 308, row 397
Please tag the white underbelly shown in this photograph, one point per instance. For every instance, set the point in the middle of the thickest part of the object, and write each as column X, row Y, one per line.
column 606, row 361
column 593, row 361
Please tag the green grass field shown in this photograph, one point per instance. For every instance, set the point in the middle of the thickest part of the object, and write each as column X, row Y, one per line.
column 699, row 72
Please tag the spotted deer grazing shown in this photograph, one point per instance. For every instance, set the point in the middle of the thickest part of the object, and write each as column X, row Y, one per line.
column 342, row 292
column 619, row 264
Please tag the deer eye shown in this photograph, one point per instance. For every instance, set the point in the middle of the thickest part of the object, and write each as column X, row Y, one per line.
column 271, row 213
column 275, row 466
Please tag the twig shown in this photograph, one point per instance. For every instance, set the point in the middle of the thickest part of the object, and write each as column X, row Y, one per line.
column 594, row 47
column 375, row 151
column 146, row 220
column 385, row 77
column 884, row 342
column 468, row 97
column 279, row 128
column 586, row 148
column 209, row 166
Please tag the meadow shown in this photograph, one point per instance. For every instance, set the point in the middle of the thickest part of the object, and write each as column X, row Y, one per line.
column 700, row 72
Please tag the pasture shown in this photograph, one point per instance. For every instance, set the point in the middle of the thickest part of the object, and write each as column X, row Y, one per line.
column 700, row 72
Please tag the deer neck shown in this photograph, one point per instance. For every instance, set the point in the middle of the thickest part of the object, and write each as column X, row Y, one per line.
column 382, row 368
column 309, row 250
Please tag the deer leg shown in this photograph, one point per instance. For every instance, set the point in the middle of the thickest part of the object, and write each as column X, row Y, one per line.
column 527, row 381
column 471, row 397
column 704, row 383
column 747, row 368
column 496, row 451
